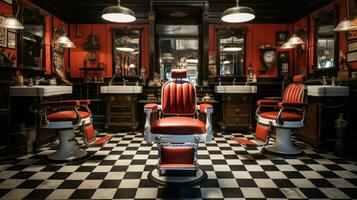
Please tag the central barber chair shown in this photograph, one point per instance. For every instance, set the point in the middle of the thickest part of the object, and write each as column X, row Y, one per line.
column 177, row 132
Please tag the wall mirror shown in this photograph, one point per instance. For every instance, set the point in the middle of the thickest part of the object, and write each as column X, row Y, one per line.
column 231, row 52
column 179, row 49
column 32, row 48
column 326, row 41
column 126, row 52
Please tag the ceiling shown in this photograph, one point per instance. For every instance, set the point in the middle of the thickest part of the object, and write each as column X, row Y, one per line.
column 266, row 11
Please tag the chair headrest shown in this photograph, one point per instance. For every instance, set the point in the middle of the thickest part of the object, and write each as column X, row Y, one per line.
column 298, row 78
column 178, row 73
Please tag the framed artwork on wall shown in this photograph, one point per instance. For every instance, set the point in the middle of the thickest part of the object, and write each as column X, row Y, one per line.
column 11, row 40
column 58, row 63
column 352, row 56
column 57, row 32
column 352, row 14
column 283, row 63
column 282, row 37
column 3, row 34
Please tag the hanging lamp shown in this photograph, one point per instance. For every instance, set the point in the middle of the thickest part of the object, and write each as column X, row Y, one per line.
column 345, row 25
column 238, row 14
column 12, row 22
column 63, row 39
column 295, row 40
column 232, row 47
column 69, row 45
column 125, row 47
column 287, row 46
column 118, row 14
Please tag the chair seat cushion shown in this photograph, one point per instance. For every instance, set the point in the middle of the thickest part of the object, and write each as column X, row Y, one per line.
column 178, row 125
column 67, row 115
column 285, row 116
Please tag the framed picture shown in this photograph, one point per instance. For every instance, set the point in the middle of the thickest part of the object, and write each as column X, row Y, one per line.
column 3, row 34
column 352, row 14
column 352, row 56
column 282, row 37
column 8, row 1
column 57, row 32
column 352, row 46
column 11, row 40
column 58, row 63
column 283, row 63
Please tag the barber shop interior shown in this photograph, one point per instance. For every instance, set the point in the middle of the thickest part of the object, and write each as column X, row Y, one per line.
column 178, row 99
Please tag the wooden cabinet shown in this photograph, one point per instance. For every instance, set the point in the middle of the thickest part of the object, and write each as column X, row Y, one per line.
column 236, row 112
column 122, row 112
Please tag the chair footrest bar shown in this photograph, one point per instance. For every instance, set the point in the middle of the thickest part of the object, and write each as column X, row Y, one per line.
column 102, row 140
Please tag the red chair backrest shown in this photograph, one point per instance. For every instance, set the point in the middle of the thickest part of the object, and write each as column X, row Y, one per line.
column 295, row 93
column 178, row 97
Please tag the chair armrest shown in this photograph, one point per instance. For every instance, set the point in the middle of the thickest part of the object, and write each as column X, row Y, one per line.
column 266, row 102
column 151, row 107
column 84, row 102
column 58, row 104
column 206, row 108
column 290, row 104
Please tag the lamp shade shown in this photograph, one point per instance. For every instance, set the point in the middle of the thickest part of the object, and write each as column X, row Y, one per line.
column 11, row 23
column 287, row 46
column 294, row 40
column 192, row 59
column 118, row 14
column 63, row 40
column 69, row 45
column 231, row 47
column 345, row 25
column 238, row 14
column 125, row 48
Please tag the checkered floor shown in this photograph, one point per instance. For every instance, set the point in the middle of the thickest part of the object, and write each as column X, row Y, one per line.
column 119, row 170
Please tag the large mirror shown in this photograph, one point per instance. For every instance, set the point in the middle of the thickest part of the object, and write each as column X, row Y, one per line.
column 326, row 41
column 126, row 50
column 231, row 52
column 179, row 47
column 32, row 47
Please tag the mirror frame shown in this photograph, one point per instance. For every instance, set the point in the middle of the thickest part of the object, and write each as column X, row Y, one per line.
column 231, row 29
column 20, row 34
column 317, row 22
column 140, row 50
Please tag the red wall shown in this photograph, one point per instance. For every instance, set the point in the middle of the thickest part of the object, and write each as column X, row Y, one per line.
column 304, row 63
column 256, row 35
column 104, row 55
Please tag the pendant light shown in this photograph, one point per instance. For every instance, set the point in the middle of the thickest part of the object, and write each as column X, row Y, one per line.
column 238, row 14
column 345, row 25
column 12, row 22
column 118, row 14
column 125, row 48
column 63, row 39
column 295, row 40
column 232, row 47
column 69, row 45
column 287, row 46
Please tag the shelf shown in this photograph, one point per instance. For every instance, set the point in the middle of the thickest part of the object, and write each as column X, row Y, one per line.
column 91, row 68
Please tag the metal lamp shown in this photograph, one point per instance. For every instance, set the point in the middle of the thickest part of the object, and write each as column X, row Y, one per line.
column 345, row 25
column 118, row 14
column 295, row 40
column 238, row 14
column 12, row 22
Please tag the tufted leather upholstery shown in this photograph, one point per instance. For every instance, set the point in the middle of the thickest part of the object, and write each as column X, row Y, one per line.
column 294, row 93
column 178, row 73
column 178, row 98
column 68, row 115
column 178, row 125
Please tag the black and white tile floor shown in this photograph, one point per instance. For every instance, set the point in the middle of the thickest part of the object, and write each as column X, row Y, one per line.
column 119, row 170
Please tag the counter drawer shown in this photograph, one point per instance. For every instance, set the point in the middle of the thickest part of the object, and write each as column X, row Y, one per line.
column 237, row 120
column 237, row 109
column 121, row 99
column 121, row 119
column 237, row 99
column 124, row 110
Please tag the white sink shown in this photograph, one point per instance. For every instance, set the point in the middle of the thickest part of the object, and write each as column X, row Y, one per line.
column 121, row 89
column 327, row 90
column 236, row 89
column 40, row 90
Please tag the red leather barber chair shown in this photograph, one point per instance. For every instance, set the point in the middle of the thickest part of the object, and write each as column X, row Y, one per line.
column 177, row 131
column 69, row 118
column 284, row 116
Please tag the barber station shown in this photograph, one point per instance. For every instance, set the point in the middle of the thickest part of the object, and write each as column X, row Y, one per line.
column 158, row 99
